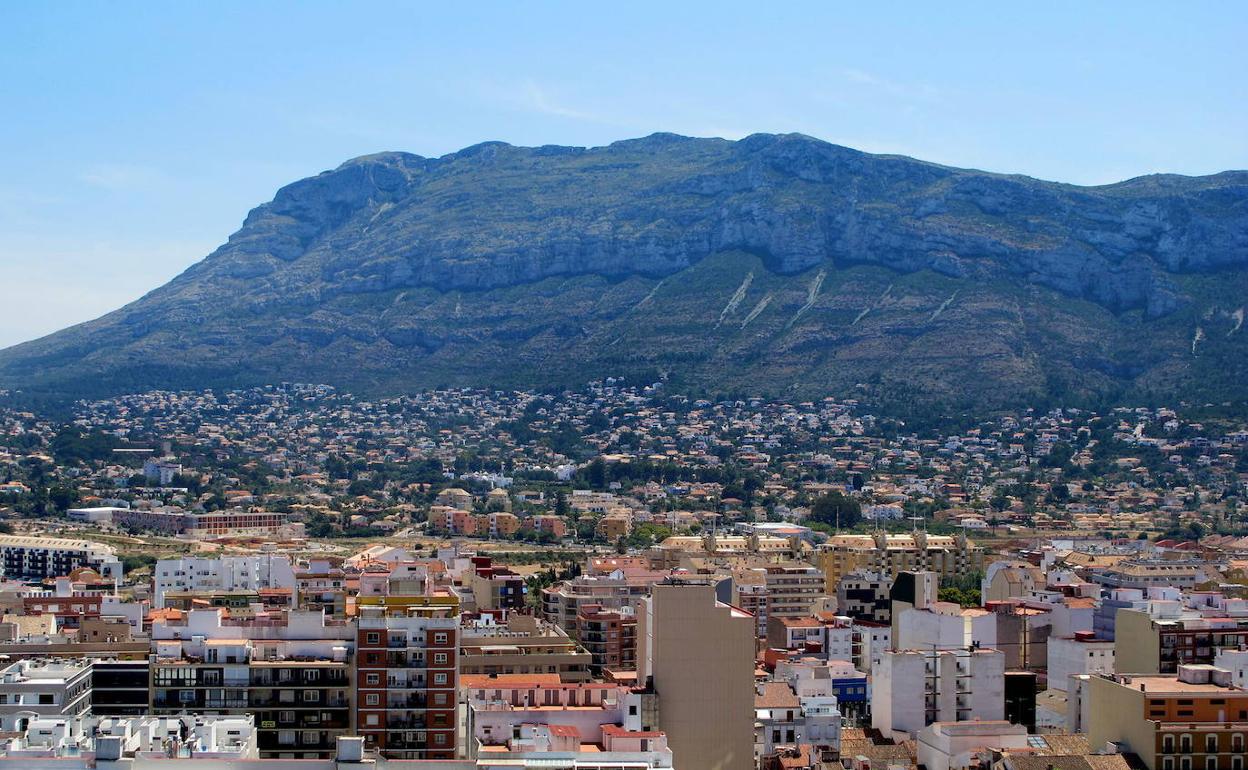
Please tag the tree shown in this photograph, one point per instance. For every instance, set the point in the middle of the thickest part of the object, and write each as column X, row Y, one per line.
column 63, row 496
column 837, row 509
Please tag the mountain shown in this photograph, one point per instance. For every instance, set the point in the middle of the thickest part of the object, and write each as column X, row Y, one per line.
column 770, row 265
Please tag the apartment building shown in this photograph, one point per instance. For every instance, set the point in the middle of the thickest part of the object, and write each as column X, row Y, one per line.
column 207, row 524
column 496, row 587
column 44, row 687
column 792, row 590
column 1146, row 644
column 1081, row 654
column 120, row 687
column 320, row 585
column 406, row 683
column 948, row 556
column 225, row 573
column 1193, row 720
column 610, row 638
column 831, row 636
column 911, row 689
column 865, row 596
column 293, row 670
column 784, row 718
column 563, row 602
column 522, row 644
column 696, row 658
column 34, row 558
column 498, row 707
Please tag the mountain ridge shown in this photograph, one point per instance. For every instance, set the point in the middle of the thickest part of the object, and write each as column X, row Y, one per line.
column 332, row 262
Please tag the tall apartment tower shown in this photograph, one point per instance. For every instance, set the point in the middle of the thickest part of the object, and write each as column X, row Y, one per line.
column 406, row 679
column 914, row 688
column 696, row 656
column 291, row 669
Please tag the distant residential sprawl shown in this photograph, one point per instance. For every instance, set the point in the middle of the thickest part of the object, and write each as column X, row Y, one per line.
column 621, row 576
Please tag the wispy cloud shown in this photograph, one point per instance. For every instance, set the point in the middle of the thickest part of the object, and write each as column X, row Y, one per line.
column 909, row 90
column 536, row 99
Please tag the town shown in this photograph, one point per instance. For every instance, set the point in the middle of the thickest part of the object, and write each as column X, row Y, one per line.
column 622, row 576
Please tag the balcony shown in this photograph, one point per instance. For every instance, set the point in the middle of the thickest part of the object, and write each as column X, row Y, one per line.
column 406, row 723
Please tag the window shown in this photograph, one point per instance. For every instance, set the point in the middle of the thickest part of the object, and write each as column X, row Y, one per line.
column 1211, row 763
column 45, row 699
column 371, row 720
column 286, row 737
column 439, row 699
column 372, row 678
column 439, row 637
column 372, row 699
column 439, row 659
column 1167, row 763
column 311, row 696
column 1211, row 744
column 440, row 739
column 1167, row 744
column 286, row 717
column 373, row 637
column 439, row 678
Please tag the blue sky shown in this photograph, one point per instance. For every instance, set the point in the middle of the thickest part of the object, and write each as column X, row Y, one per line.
column 134, row 137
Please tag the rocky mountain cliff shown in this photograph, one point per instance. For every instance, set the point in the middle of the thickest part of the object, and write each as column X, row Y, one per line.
column 774, row 263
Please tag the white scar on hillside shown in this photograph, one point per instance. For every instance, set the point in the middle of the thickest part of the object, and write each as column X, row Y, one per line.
column 1197, row 338
column 873, row 306
column 383, row 208
column 942, row 307
column 1238, row 315
column 646, row 299
column 812, row 294
column 735, row 300
column 759, row 308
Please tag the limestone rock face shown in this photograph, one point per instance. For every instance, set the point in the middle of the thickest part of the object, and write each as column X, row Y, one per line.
column 321, row 281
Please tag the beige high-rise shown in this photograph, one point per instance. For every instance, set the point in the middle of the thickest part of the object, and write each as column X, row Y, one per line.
column 699, row 657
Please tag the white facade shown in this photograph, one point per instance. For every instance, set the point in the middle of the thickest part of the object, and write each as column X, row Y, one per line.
column 816, row 721
column 23, row 556
column 161, row 471
column 226, row 573
column 30, row 689
column 945, row 626
column 953, row 746
column 911, row 689
column 872, row 641
column 1070, row 657
column 1235, row 661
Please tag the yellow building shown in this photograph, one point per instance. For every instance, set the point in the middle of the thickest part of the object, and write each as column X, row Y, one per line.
column 947, row 556
column 614, row 526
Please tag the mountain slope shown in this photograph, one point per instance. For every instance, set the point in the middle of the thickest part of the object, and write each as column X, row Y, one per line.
column 775, row 263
